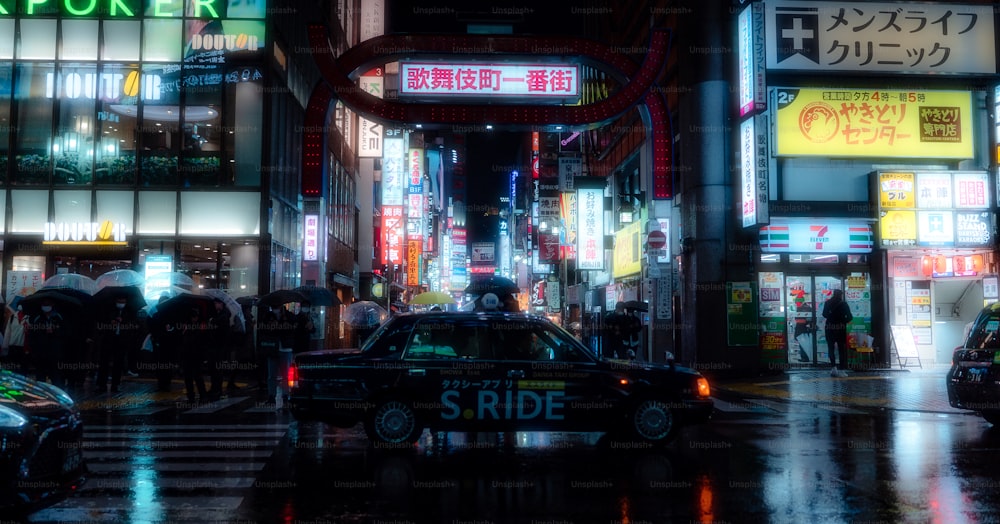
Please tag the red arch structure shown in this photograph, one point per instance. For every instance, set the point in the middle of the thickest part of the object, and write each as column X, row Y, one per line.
column 340, row 82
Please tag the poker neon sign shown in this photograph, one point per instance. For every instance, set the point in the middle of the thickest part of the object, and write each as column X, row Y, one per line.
column 117, row 8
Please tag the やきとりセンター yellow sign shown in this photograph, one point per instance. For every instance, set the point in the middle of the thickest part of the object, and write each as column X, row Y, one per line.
column 873, row 123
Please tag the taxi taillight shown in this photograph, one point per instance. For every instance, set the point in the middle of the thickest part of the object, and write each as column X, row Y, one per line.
column 293, row 376
column 703, row 389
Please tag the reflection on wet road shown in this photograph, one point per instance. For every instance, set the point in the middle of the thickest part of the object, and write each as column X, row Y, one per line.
column 756, row 462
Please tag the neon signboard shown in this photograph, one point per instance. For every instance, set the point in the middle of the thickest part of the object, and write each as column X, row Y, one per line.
column 208, row 9
column 488, row 79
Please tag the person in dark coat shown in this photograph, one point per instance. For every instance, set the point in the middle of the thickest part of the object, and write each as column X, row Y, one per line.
column 304, row 328
column 837, row 314
column 192, row 353
column 275, row 333
column 46, row 337
column 615, row 336
column 217, row 350
column 166, row 346
column 119, row 332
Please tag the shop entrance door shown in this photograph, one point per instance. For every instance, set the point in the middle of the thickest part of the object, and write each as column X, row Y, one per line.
column 805, row 296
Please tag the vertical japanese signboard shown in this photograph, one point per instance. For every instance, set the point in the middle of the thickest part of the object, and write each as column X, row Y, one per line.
column 393, row 173
column 754, row 171
column 370, row 132
column 751, row 59
column 310, row 248
column 590, row 229
column 413, row 249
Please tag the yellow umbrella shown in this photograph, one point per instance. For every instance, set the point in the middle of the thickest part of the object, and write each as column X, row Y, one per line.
column 432, row 297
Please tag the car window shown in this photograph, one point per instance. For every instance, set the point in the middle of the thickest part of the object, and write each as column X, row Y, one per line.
column 984, row 334
column 432, row 339
column 535, row 342
column 387, row 341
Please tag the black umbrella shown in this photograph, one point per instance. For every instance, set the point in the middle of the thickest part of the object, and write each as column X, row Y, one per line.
column 637, row 305
column 178, row 308
column 107, row 296
column 281, row 297
column 62, row 302
column 247, row 301
column 497, row 285
column 318, row 296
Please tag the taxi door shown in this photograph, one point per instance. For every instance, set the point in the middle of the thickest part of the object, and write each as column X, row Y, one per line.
column 554, row 385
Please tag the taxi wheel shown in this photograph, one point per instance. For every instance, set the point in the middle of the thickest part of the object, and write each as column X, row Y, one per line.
column 993, row 417
column 653, row 421
column 393, row 421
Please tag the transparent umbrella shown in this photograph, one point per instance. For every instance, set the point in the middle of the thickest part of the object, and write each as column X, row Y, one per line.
column 120, row 278
column 364, row 314
column 234, row 307
column 153, row 298
column 71, row 281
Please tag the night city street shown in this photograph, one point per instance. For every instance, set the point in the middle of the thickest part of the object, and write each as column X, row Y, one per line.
column 481, row 262
column 762, row 459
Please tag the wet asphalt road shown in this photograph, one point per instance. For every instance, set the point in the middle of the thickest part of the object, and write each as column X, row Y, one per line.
column 755, row 462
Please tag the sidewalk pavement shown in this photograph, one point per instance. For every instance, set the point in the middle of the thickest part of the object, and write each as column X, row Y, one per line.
column 909, row 389
column 138, row 394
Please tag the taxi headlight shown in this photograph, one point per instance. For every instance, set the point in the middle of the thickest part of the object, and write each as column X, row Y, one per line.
column 10, row 419
column 703, row 390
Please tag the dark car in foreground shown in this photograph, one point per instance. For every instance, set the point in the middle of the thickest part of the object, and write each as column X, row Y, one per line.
column 41, row 438
column 490, row 372
column 974, row 377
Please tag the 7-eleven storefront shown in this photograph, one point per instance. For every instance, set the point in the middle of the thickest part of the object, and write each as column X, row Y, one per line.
column 802, row 261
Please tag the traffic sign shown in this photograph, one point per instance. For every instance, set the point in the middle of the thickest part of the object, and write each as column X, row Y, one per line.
column 656, row 239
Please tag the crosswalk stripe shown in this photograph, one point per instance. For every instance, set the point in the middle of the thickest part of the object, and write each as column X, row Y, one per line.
column 162, row 435
column 741, row 407
column 200, row 482
column 162, row 454
column 186, row 427
column 176, row 467
column 216, row 406
column 123, row 443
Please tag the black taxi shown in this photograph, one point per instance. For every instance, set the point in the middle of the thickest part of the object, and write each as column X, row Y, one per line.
column 41, row 439
column 490, row 372
column 973, row 380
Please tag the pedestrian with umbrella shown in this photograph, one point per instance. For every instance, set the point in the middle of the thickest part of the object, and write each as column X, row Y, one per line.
column 304, row 328
column 46, row 336
column 219, row 329
column 119, row 335
column 192, row 338
column 166, row 345
column 275, row 332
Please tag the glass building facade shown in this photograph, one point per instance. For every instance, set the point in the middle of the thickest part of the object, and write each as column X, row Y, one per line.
column 148, row 119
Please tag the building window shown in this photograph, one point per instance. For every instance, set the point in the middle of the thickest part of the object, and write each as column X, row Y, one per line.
column 118, row 121
column 33, row 147
column 73, row 142
column 160, row 136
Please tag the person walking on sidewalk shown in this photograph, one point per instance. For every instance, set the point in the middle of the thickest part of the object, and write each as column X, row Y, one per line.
column 837, row 314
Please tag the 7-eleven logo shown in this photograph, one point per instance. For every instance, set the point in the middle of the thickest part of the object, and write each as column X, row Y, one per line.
column 819, row 235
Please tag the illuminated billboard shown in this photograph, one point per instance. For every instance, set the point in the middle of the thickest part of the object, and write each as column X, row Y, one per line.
column 873, row 123
column 590, row 228
column 934, row 209
column 884, row 37
column 560, row 81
